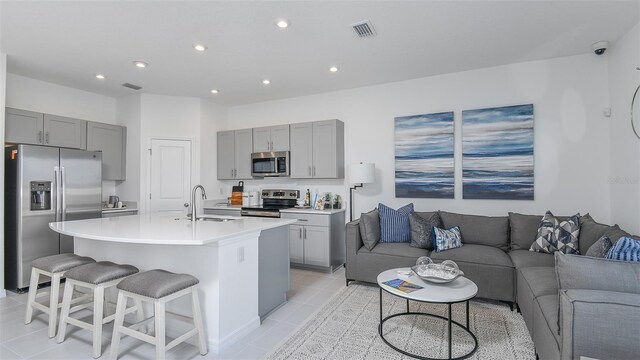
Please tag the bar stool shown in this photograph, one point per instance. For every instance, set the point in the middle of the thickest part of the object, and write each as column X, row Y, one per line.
column 53, row 266
column 97, row 277
column 158, row 287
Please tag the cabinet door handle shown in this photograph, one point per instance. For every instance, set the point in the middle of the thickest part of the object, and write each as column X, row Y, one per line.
column 309, row 170
column 231, row 172
column 300, row 233
column 268, row 145
column 305, row 233
column 40, row 137
column 303, row 219
column 46, row 137
column 314, row 171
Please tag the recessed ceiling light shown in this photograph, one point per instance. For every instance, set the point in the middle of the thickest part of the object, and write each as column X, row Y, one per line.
column 199, row 47
column 266, row 81
column 215, row 91
column 282, row 24
column 100, row 77
column 333, row 69
column 140, row 64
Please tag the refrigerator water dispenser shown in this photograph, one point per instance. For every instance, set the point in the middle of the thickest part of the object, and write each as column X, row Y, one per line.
column 40, row 195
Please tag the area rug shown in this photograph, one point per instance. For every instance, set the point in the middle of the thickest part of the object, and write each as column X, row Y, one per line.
column 346, row 327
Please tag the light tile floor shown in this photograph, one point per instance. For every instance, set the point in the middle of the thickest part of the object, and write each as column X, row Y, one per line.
column 309, row 291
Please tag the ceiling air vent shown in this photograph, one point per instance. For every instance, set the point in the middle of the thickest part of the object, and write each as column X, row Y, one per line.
column 364, row 29
column 131, row 86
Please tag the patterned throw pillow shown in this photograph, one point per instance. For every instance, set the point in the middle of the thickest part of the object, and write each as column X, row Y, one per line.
column 557, row 236
column 421, row 230
column 600, row 248
column 394, row 224
column 445, row 239
column 625, row 249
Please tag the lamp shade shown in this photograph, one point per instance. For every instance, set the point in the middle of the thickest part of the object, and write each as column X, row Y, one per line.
column 362, row 173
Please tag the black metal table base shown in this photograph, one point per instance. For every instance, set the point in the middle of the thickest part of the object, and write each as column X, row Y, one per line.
column 450, row 322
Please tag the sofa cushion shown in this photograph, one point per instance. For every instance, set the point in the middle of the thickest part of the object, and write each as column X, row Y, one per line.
column 422, row 230
column 600, row 248
column 590, row 232
column 541, row 280
column 615, row 233
column 524, row 229
column 399, row 249
column 589, row 273
column 394, row 224
column 548, row 308
column 476, row 254
column 526, row 258
column 479, row 230
column 626, row 249
column 446, row 239
column 370, row 228
column 554, row 235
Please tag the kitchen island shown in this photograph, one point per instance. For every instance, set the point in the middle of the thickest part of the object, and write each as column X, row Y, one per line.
column 242, row 262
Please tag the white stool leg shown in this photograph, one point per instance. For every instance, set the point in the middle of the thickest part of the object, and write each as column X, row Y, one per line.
column 160, row 329
column 64, row 313
column 33, row 289
column 98, row 303
column 140, row 314
column 197, row 321
column 53, row 303
column 121, row 305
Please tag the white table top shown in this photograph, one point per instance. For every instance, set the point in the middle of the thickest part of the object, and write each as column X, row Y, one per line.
column 164, row 229
column 460, row 289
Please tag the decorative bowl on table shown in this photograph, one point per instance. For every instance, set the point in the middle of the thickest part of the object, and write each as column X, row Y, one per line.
column 441, row 273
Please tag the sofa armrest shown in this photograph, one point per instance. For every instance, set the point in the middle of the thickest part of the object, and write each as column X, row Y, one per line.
column 353, row 237
column 599, row 324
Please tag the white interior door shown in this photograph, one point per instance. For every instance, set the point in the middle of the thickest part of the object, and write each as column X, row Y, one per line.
column 170, row 175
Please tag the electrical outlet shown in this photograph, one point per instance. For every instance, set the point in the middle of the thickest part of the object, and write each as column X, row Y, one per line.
column 241, row 254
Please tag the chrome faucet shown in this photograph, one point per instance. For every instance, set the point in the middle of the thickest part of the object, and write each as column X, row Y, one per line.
column 193, row 200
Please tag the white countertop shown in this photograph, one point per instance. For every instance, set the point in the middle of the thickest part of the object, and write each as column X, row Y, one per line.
column 290, row 210
column 163, row 229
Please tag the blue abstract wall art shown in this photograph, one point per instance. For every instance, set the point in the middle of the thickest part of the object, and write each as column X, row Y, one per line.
column 497, row 153
column 424, row 146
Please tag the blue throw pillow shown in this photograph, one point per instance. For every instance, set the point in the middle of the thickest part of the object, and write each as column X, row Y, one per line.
column 626, row 249
column 445, row 239
column 394, row 224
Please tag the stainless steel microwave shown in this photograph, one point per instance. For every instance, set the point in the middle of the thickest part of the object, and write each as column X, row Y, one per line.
column 274, row 163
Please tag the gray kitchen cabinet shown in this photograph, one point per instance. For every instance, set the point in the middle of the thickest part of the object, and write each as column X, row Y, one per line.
column 24, row 127
column 316, row 240
column 300, row 159
column 111, row 140
column 296, row 244
column 271, row 138
column 65, row 132
column 317, row 150
column 234, row 154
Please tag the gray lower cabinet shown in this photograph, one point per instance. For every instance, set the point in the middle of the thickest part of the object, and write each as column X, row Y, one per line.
column 234, row 154
column 316, row 241
column 111, row 140
column 317, row 150
column 28, row 127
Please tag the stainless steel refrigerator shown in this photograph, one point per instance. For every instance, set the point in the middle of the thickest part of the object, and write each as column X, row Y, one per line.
column 42, row 185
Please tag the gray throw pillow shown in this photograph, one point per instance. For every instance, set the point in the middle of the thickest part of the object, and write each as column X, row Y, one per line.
column 370, row 228
column 599, row 248
column 421, row 230
column 590, row 232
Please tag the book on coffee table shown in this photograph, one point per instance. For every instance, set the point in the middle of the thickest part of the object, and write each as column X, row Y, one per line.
column 402, row 285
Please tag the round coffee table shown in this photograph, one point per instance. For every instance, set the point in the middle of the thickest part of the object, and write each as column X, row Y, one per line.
column 457, row 291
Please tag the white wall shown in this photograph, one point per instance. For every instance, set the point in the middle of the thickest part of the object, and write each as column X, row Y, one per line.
column 35, row 95
column 571, row 133
column 3, row 81
column 624, row 57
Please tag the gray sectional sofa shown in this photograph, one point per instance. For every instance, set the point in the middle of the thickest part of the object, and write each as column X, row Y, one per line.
column 572, row 305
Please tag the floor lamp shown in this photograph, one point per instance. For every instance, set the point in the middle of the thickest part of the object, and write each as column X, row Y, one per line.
column 359, row 174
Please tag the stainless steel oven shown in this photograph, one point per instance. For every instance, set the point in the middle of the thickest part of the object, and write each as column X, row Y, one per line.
column 274, row 163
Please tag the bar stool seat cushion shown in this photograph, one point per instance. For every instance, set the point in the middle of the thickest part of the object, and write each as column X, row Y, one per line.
column 157, row 284
column 60, row 262
column 100, row 272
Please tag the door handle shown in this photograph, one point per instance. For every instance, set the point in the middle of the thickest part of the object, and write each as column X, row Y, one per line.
column 56, row 186
column 268, row 145
column 231, row 172
column 314, row 171
column 300, row 233
column 40, row 137
column 305, row 233
column 46, row 137
column 63, row 181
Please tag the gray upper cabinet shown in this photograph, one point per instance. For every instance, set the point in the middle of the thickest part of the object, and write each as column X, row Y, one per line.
column 111, row 140
column 317, row 150
column 234, row 154
column 301, row 158
column 24, row 127
column 271, row 138
column 65, row 132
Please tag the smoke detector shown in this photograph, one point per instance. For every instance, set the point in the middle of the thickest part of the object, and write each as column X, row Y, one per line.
column 364, row 29
column 132, row 86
